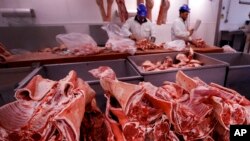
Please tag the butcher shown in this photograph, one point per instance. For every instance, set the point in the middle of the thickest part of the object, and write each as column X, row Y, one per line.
column 179, row 29
column 139, row 27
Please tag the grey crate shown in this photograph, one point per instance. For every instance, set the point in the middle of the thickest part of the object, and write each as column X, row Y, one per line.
column 238, row 72
column 123, row 69
column 212, row 71
column 10, row 79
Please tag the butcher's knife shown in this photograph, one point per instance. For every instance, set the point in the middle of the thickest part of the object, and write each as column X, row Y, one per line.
column 197, row 24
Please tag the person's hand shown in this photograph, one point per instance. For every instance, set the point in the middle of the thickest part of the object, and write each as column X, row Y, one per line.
column 152, row 39
column 132, row 37
column 191, row 31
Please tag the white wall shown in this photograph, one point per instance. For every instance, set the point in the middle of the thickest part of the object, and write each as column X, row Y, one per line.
column 75, row 15
column 238, row 14
column 206, row 11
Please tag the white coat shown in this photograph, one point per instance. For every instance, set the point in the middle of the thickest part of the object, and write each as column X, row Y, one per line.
column 179, row 30
column 140, row 31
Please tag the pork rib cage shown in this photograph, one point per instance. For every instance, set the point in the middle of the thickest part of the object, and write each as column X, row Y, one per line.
column 123, row 13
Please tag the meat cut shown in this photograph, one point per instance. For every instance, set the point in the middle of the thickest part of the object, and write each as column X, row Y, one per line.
column 147, row 45
column 162, row 16
column 122, row 10
column 106, row 16
column 46, row 110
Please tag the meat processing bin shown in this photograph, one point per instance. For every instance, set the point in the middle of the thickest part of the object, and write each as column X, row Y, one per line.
column 238, row 71
column 212, row 70
column 123, row 69
column 10, row 79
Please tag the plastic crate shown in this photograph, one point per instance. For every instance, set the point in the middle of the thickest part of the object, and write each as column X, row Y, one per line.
column 238, row 72
column 123, row 69
column 10, row 79
column 212, row 71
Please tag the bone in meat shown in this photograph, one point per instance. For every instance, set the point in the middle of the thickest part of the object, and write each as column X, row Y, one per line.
column 36, row 89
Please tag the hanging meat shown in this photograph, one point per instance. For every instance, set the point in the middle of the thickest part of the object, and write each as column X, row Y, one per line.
column 123, row 13
column 162, row 17
column 149, row 5
column 102, row 9
column 106, row 16
column 122, row 10
column 109, row 9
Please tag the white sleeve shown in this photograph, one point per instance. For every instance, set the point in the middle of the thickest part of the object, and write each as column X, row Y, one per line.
column 126, row 27
column 179, row 32
column 153, row 31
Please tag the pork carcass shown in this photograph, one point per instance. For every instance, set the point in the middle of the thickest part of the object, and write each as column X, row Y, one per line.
column 46, row 110
column 109, row 9
column 102, row 9
column 187, row 118
column 106, row 16
column 229, row 107
column 162, row 17
column 122, row 10
column 138, row 117
column 190, row 108
column 149, row 5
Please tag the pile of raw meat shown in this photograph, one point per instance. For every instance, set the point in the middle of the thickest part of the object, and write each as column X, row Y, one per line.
column 83, row 50
column 57, row 49
column 188, row 109
column 74, row 44
column 146, row 44
column 182, row 61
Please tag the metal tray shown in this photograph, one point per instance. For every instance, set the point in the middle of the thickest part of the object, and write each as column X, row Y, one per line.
column 212, row 71
column 238, row 71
